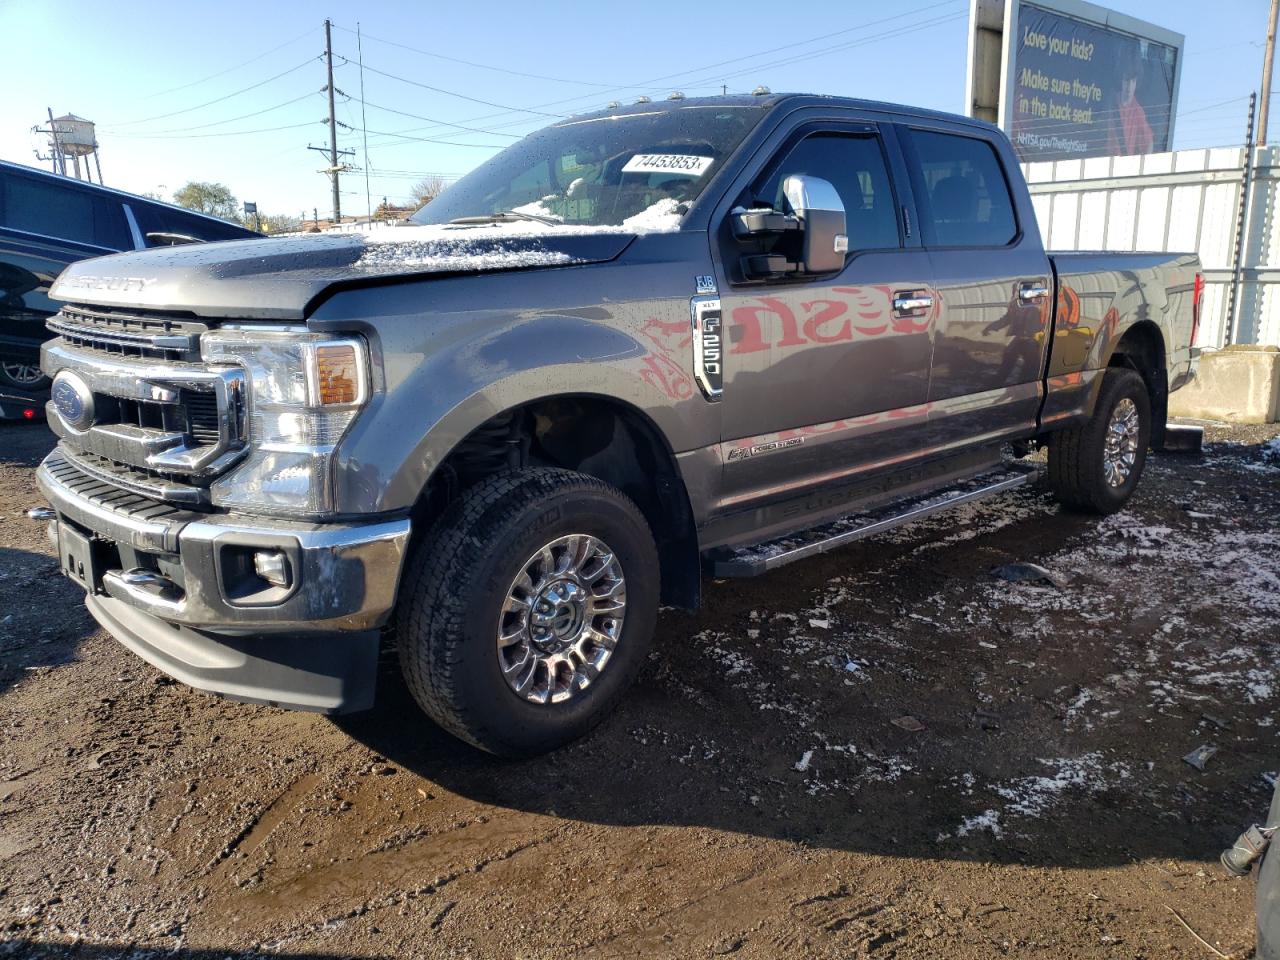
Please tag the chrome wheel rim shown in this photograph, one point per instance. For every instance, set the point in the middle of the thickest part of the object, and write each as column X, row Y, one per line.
column 1120, row 450
column 561, row 619
column 26, row 374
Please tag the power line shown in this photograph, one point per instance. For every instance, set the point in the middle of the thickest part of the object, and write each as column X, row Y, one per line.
column 481, row 66
column 453, row 93
column 432, row 120
column 1212, row 106
column 861, row 41
column 649, row 84
column 798, row 43
column 220, row 73
column 217, row 123
column 388, row 133
column 224, row 133
column 209, row 103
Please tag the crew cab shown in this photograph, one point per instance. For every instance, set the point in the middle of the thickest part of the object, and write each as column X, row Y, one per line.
column 637, row 349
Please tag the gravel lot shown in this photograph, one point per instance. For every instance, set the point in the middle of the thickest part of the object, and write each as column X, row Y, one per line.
column 753, row 798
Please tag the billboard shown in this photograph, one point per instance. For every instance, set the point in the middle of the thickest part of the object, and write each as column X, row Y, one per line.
column 1074, row 80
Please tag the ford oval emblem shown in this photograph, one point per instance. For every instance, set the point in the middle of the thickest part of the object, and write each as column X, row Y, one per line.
column 73, row 400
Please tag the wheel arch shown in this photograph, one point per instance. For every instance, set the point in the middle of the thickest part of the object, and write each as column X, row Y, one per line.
column 595, row 434
column 1141, row 348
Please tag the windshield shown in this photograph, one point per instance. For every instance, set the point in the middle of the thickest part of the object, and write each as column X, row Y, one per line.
column 644, row 168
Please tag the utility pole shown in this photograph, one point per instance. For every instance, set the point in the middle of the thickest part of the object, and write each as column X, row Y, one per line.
column 333, row 125
column 1267, row 59
column 59, row 160
column 334, row 169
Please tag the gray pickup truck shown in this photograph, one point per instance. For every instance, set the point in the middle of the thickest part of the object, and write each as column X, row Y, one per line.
column 638, row 348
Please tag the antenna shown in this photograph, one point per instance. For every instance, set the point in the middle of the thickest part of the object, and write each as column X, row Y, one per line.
column 364, row 124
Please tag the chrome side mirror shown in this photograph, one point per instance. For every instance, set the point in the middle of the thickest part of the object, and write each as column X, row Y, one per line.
column 818, row 207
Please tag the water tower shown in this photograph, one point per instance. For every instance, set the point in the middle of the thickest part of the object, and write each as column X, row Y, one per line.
column 73, row 137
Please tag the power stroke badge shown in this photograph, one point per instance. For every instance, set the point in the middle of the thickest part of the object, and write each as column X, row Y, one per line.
column 742, row 453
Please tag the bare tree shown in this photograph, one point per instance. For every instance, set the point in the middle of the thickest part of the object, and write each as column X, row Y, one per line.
column 427, row 189
column 280, row 223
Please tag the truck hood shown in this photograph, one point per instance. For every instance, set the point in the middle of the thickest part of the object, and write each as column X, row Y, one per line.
column 276, row 278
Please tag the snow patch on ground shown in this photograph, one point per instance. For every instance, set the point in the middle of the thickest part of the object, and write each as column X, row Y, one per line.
column 1033, row 797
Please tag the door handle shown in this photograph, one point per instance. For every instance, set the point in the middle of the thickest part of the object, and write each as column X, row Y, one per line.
column 1032, row 292
column 911, row 303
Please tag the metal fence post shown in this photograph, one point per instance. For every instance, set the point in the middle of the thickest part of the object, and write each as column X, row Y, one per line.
column 1242, row 219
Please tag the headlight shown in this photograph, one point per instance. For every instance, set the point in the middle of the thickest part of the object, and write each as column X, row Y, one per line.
column 305, row 389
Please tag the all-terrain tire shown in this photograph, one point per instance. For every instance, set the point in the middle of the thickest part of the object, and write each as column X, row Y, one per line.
column 457, row 581
column 1077, row 457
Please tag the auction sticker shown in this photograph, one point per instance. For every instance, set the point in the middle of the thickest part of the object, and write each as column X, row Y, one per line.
column 690, row 166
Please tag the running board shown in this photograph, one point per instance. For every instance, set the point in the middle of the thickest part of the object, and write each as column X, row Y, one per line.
column 755, row 559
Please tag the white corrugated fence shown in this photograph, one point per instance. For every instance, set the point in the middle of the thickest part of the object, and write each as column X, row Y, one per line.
column 1183, row 201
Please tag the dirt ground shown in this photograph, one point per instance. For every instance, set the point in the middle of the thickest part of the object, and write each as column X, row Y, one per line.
column 754, row 796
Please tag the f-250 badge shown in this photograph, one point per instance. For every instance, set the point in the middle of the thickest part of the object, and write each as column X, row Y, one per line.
column 708, row 346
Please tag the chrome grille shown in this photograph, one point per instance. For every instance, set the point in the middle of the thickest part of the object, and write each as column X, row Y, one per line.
column 202, row 416
column 164, row 428
column 129, row 334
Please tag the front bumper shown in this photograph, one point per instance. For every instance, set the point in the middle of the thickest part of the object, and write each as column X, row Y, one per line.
column 170, row 584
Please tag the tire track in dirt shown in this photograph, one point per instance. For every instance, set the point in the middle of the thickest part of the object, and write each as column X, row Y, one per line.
column 333, row 894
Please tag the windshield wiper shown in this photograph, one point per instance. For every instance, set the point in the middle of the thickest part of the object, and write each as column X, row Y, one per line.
column 505, row 215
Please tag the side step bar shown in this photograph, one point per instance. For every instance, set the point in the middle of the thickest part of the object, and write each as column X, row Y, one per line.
column 755, row 559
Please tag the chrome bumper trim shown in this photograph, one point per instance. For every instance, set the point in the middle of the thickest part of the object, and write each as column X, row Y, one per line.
column 346, row 575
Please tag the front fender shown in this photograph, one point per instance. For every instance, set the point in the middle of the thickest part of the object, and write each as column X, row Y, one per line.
column 445, row 374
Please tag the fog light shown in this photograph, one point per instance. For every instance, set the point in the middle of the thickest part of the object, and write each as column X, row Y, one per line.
column 272, row 567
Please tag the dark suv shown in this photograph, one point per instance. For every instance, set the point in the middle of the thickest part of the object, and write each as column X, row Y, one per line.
column 48, row 221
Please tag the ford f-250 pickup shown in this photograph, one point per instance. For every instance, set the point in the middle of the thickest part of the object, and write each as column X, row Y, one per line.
column 636, row 348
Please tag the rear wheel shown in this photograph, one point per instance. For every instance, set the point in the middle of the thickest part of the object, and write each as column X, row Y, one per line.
column 1096, row 467
column 527, row 610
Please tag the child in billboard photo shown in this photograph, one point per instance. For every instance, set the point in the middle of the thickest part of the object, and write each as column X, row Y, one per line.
column 1128, row 130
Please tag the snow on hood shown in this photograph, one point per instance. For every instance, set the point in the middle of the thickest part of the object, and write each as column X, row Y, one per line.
column 500, row 246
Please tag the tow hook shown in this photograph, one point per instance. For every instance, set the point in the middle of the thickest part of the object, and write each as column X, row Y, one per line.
column 42, row 514
column 1248, row 849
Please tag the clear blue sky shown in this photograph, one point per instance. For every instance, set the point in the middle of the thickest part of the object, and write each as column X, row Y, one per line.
column 146, row 72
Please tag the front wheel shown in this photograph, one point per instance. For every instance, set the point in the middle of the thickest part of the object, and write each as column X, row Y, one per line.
column 527, row 610
column 1096, row 467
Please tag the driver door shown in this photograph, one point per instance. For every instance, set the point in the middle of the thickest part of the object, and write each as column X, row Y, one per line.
column 827, row 378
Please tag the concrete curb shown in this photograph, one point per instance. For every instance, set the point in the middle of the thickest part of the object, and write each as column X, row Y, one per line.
column 1238, row 384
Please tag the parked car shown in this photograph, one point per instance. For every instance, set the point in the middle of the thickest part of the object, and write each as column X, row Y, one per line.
column 48, row 221
column 715, row 334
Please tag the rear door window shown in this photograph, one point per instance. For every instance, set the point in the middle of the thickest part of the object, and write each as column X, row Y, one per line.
column 966, row 200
